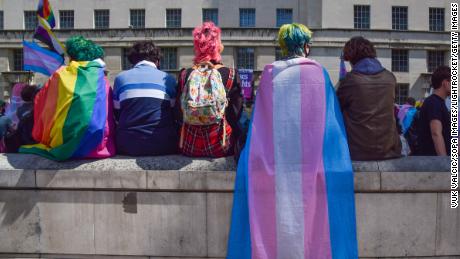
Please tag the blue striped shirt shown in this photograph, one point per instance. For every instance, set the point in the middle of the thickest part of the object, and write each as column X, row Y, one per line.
column 143, row 98
column 144, row 80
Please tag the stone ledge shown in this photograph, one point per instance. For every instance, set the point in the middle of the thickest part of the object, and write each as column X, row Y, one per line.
column 177, row 173
column 201, row 181
column 79, row 256
column 118, row 163
column 182, row 163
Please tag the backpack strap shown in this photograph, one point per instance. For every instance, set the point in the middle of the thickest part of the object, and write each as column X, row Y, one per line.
column 182, row 78
column 231, row 78
column 228, row 86
column 231, row 73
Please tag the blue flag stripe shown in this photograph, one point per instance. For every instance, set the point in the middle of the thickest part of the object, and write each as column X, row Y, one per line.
column 40, row 60
column 239, row 241
column 36, row 47
column 36, row 69
column 339, row 180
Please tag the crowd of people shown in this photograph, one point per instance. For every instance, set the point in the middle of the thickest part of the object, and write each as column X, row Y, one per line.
column 76, row 114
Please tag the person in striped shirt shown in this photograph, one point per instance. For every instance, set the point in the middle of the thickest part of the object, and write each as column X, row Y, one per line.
column 144, row 100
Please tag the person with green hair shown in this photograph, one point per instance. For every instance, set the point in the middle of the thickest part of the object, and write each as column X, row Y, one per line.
column 294, row 194
column 81, row 49
column 73, row 111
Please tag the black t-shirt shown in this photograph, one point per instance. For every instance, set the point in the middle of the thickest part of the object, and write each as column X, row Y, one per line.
column 434, row 108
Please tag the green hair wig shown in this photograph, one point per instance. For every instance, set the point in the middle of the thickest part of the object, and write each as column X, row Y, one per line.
column 293, row 37
column 81, row 49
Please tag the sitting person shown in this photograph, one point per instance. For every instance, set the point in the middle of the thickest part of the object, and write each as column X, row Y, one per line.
column 143, row 98
column 73, row 111
column 22, row 135
column 366, row 96
column 434, row 125
column 8, row 119
column 209, row 99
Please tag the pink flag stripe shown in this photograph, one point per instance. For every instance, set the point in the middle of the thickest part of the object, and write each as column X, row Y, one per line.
column 261, row 182
column 40, row 63
column 38, row 57
column 316, row 223
column 275, row 194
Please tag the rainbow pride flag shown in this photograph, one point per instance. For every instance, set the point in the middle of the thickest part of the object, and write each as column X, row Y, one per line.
column 73, row 114
column 294, row 195
column 45, row 11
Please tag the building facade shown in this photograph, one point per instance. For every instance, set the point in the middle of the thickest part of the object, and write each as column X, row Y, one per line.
column 411, row 36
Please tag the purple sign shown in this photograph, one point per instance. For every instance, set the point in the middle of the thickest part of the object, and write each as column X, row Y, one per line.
column 246, row 83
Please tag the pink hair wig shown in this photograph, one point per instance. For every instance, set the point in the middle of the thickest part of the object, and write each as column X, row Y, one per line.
column 207, row 44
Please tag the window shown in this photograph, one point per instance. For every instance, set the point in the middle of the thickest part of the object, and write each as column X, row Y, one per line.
column 101, row 19
column 18, row 60
column 1, row 21
column 283, row 16
column 435, row 59
column 125, row 64
column 137, row 18
column 169, row 59
column 245, row 58
column 399, row 60
column 173, row 18
column 248, row 17
column 30, row 20
column 436, row 19
column 66, row 19
column 211, row 15
column 402, row 92
column 278, row 54
column 399, row 18
column 362, row 18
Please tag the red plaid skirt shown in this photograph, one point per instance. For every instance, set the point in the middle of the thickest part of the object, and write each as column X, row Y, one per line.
column 206, row 141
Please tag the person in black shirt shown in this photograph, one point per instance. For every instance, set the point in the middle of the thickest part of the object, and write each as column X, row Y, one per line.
column 434, row 130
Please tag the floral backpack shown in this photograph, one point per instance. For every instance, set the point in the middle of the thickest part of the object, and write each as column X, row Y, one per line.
column 204, row 98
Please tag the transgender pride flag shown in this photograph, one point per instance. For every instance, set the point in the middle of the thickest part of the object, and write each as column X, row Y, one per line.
column 40, row 60
column 294, row 194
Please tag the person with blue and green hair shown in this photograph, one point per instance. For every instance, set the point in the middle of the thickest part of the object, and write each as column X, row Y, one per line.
column 294, row 40
column 73, row 115
column 294, row 195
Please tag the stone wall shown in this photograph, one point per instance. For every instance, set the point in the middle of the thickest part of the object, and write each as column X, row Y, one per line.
column 176, row 207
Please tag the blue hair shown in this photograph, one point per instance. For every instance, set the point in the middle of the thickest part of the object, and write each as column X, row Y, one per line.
column 293, row 37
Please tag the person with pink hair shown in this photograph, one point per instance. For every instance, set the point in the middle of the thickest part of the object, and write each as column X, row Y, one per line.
column 209, row 99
